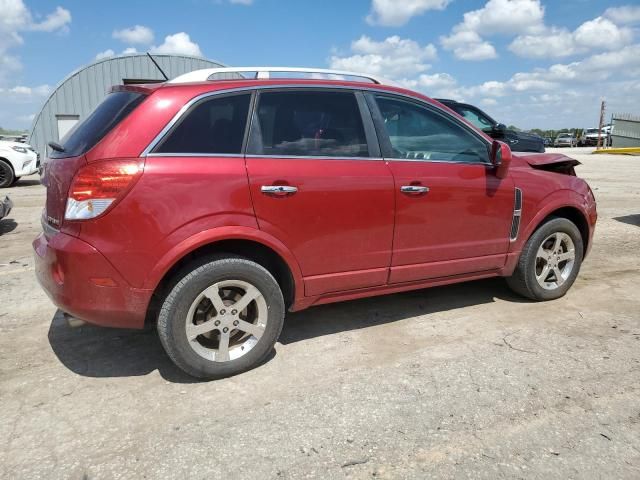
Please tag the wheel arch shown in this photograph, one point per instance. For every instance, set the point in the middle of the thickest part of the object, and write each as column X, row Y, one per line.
column 564, row 204
column 267, row 252
column 8, row 162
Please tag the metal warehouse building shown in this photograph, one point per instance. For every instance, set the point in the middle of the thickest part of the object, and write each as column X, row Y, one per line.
column 78, row 94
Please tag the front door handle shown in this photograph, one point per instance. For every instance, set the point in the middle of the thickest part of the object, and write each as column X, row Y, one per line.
column 278, row 190
column 414, row 189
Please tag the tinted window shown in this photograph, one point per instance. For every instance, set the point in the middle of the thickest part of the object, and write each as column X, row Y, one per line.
column 419, row 133
column 113, row 109
column 324, row 124
column 211, row 126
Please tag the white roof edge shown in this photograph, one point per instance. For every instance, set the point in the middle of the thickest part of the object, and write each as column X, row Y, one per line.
column 264, row 73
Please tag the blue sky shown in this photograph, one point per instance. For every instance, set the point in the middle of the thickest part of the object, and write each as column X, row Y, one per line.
column 531, row 63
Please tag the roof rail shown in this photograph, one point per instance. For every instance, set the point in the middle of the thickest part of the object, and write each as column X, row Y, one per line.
column 265, row 73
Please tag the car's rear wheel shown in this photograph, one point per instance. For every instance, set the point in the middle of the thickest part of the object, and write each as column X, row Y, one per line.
column 222, row 318
column 6, row 174
column 550, row 261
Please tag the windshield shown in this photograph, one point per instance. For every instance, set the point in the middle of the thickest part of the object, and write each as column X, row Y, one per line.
column 592, row 130
column 476, row 118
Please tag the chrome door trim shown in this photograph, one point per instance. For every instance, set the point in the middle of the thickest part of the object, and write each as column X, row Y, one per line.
column 283, row 86
column 414, row 189
column 278, row 189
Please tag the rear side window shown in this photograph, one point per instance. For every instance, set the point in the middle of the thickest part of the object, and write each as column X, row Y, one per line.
column 113, row 109
column 213, row 126
column 317, row 124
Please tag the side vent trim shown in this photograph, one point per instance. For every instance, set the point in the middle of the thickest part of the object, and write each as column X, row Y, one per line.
column 517, row 214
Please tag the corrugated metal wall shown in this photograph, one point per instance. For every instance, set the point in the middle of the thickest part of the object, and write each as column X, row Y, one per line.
column 85, row 88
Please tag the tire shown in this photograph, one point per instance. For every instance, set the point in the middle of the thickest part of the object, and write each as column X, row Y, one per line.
column 6, row 174
column 531, row 265
column 195, row 349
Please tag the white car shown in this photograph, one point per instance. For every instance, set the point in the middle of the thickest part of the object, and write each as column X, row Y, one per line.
column 16, row 160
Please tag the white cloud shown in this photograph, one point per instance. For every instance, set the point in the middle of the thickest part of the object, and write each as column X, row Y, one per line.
column 393, row 57
column 503, row 17
column 395, row 13
column 15, row 19
column 129, row 51
column 138, row 34
column 556, row 43
column 178, row 44
column 59, row 20
column 106, row 54
column 625, row 15
column 552, row 42
column 468, row 45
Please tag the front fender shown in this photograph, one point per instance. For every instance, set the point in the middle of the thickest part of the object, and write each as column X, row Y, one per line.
column 557, row 200
column 206, row 237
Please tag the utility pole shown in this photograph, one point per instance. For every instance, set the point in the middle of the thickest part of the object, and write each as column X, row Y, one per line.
column 603, row 107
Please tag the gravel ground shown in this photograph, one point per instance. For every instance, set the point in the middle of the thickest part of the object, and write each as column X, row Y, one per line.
column 465, row 381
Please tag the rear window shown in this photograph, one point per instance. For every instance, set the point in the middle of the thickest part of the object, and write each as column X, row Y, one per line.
column 113, row 109
column 213, row 126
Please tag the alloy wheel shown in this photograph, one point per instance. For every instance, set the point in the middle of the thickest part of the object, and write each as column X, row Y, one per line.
column 226, row 320
column 555, row 260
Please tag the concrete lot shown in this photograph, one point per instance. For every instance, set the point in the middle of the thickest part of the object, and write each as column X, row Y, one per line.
column 467, row 381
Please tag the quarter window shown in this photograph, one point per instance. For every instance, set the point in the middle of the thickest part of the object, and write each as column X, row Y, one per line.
column 417, row 132
column 213, row 126
column 318, row 124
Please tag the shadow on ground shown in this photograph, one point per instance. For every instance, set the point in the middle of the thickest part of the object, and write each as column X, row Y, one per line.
column 630, row 219
column 27, row 182
column 7, row 225
column 104, row 352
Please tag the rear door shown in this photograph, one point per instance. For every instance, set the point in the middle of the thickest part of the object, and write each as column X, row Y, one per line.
column 318, row 184
column 453, row 215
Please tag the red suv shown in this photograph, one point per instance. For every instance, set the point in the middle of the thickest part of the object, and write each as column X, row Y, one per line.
column 214, row 206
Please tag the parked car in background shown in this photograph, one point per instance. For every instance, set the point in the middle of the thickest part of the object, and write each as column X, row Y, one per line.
column 565, row 140
column 548, row 141
column 5, row 207
column 590, row 137
column 215, row 206
column 16, row 160
column 518, row 141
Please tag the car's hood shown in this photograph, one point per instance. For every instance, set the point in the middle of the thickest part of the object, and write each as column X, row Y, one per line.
column 8, row 144
column 530, row 136
column 541, row 159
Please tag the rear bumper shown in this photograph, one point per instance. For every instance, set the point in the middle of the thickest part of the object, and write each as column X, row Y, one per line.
column 81, row 282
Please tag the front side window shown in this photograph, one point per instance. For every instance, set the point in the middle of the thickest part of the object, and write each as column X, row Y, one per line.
column 213, row 126
column 417, row 132
column 317, row 124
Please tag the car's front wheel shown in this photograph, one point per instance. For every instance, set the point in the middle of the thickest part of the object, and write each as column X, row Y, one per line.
column 6, row 174
column 222, row 318
column 549, row 262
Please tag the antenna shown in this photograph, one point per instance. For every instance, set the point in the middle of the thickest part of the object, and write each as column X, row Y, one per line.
column 158, row 66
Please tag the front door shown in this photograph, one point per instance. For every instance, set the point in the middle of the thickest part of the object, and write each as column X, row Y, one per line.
column 319, row 186
column 453, row 215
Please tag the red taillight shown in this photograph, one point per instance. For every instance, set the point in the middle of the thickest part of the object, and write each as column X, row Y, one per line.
column 97, row 185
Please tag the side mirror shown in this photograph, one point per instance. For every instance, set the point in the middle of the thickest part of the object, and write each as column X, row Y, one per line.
column 500, row 158
column 500, row 128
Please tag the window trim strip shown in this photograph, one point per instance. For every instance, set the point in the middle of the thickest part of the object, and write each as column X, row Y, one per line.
column 255, row 88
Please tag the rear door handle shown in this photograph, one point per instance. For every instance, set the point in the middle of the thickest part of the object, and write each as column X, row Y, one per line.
column 414, row 189
column 278, row 190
